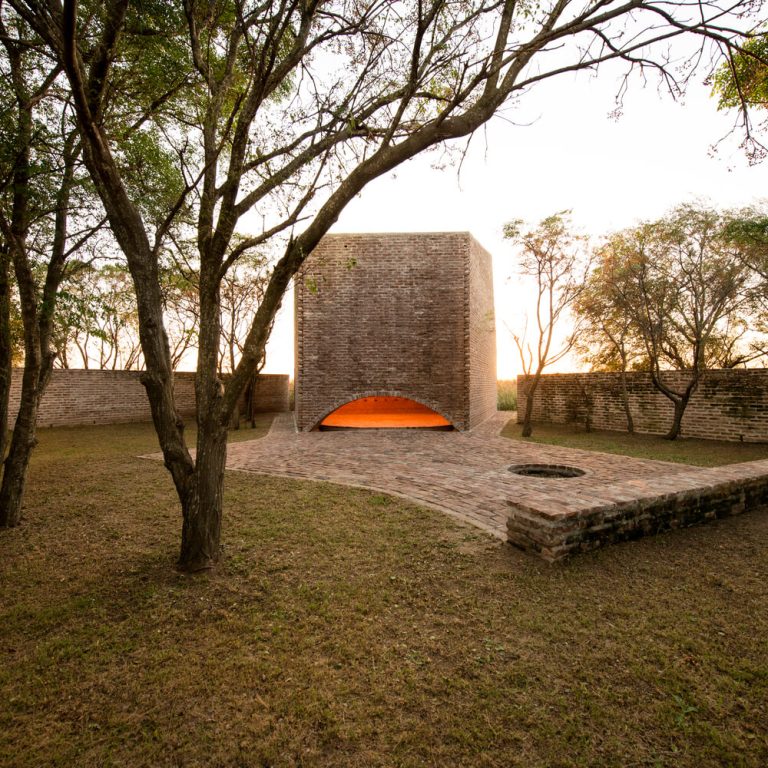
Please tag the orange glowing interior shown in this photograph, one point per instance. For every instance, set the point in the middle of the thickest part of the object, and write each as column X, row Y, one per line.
column 384, row 413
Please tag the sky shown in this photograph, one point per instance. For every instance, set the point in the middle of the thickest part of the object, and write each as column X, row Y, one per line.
column 559, row 148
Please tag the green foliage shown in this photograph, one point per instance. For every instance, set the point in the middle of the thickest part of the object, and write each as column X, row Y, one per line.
column 506, row 395
column 96, row 318
column 151, row 172
column 744, row 78
column 747, row 230
column 552, row 229
column 607, row 340
column 152, row 91
column 17, row 333
column 151, row 67
column 674, row 291
column 552, row 257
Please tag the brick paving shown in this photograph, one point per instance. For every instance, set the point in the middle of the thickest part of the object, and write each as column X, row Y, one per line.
column 466, row 474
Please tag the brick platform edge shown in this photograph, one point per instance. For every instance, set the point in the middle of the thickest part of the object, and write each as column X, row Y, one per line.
column 626, row 511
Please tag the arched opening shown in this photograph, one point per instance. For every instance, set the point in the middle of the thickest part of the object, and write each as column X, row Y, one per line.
column 384, row 412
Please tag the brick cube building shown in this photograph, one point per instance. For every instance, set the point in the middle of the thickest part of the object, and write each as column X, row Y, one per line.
column 395, row 330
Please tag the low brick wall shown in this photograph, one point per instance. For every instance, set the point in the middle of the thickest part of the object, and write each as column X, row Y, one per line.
column 271, row 393
column 77, row 397
column 625, row 511
column 728, row 405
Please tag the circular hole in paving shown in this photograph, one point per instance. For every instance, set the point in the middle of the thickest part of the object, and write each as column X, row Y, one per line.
column 545, row 470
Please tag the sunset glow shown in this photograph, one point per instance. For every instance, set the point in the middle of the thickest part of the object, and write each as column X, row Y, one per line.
column 384, row 413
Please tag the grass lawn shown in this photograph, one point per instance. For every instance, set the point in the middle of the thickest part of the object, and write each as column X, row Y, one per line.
column 345, row 628
column 701, row 453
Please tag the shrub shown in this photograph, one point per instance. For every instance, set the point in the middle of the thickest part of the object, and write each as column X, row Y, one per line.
column 507, row 395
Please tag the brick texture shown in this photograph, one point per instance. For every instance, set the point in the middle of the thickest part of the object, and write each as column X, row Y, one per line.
column 271, row 393
column 75, row 397
column 481, row 322
column 728, row 405
column 634, row 508
column 409, row 315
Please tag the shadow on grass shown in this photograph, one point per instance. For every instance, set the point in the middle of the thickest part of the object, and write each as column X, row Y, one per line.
column 349, row 628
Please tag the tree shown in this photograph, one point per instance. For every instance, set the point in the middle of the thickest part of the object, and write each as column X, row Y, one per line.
column 553, row 258
column 97, row 317
column 607, row 337
column 287, row 110
column 741, row 83
column 7, row 153
column 683, row 285
column 96, row 323
column 41, row 188
column 6, row 344
column 742, row 80
column 242, row 290
column 181, row 311
column 11, row 340
column 747, row 231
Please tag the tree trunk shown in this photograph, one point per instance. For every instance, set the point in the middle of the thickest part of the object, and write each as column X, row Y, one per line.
column 588, row 405
column 249, row 412
column 625, row 403
column 202, row 499
column 529, row 395
column 16, row 465
column 15, row 477
column 679, row 399
column 202, row 505
column 527, row 427
column 6, row 348
column 234, row 419
column 677, row 419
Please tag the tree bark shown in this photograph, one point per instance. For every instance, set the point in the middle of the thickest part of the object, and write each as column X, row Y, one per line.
column 202, row 504
column 528, row 415
column 677, row 419
column 587, row 410
column 16, row 465
column 6, row 347
column 679, row 400
column 625, row 402
column 37, row 316
column 527, row 428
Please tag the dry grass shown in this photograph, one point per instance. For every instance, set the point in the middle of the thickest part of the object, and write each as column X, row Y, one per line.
column 506, row 390
column 701, row 453
column 346, row 628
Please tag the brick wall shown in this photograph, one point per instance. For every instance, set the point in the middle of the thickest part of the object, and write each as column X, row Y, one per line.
column 481, row 323
column 388, row 314
column 728, row 405
column 76, row 397
column 270, row 393
column 99, row 397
